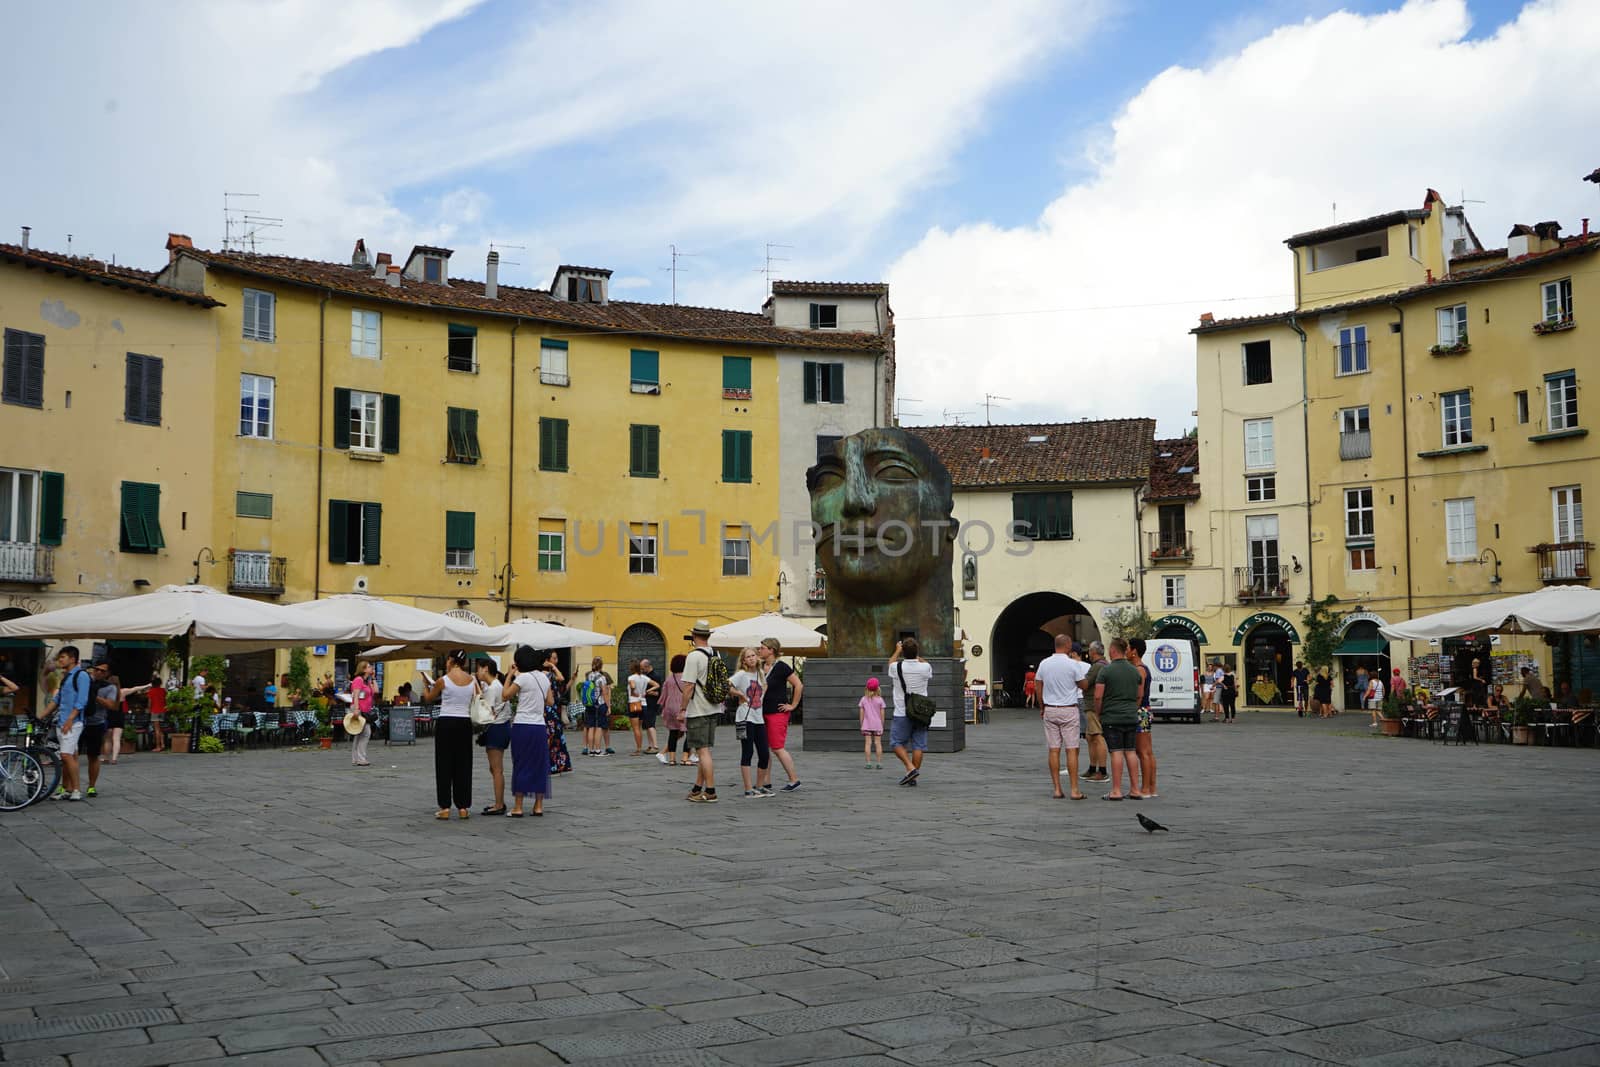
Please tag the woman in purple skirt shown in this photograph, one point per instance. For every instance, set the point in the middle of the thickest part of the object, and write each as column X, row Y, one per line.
column 530, row 738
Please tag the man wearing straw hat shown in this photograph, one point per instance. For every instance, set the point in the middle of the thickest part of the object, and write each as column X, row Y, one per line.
column 700, row 713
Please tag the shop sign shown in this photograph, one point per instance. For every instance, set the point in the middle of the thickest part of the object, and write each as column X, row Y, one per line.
column 1262, row 617
column 1188, row 625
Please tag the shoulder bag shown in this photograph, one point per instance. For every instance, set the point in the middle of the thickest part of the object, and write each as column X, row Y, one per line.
column 919, row 709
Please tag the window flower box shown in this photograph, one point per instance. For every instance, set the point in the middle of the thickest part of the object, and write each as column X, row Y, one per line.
column 1555, row 325
column 730, row 393
column 1459, row 348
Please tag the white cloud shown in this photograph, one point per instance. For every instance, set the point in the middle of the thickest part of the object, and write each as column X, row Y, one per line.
column 1205, row 172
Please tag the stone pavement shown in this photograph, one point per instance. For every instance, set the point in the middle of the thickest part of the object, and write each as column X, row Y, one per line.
column 1323, row 897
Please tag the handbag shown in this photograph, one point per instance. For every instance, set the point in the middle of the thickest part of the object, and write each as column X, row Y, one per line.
column 919, row 709
column 480, row 710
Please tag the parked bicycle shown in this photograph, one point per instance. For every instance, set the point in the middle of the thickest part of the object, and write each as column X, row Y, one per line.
column 21, row 778
column 38, row 741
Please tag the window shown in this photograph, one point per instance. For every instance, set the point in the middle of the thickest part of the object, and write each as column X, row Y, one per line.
column 141, row 518
column 644, row 371
column 1364, row 558
column 365, row 333
column 1258, row 450
column 824, row 316
column 1258, row 362
column 825, row 443
column 1557, row 300
column 252, row 505
column 460, row 540
column 1566, row 501
column 824, row 383
column 1261, row 536
column 1042, row 516
column 1358, row 514
column 552, row 546
column 735, row 552
column 553, row 362
column 642, row 547
column 255, row 406
column 1261, row 488
column 1355, row 420
column 1174, row 593
column 736, row 462
column 1456, row 411
column 366, row 422
column 24, row 369
column 461, row 431
column 355, row 532
column 552, row 444
column 19, row 496
column 1561, row 392
column 586, row 291
column 736, row 377
column 432, row 269
column 644, row 451
column 260, row 315
column 1521, row 397
column 1461, row 528
column 1172, row 531
column 1355, row 433
column 1452, row 326
column 141, row 395
column 1353, row 350
column 461, row 351
column 1416, row 242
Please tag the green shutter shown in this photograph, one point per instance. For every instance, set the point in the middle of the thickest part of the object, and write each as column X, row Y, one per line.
column 635, row 450
column 133, row 389
column 736, row 373
column 341, row 418
column 133, row 535
column 52, row 503
column 644, row 451
column 547, row 444
column 150, row 504
column 460, row 531
column 809, row 370
column 371, row 533
column 390, row 430
column 561, row 444
column 747, row 456
column 645, row 367
column 836, row 382
column 456, row 430
column 1066, row 514
column 736, row 455
column 338, row 531
column 652, row 454
column 727, row 455
column 470, row 430
column 151, row 391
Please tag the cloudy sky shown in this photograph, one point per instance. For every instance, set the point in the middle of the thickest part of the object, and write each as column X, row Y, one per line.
column 1055, row 189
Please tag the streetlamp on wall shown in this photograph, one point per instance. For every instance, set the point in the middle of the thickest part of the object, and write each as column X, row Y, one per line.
column 502, row 579
column 207, row 556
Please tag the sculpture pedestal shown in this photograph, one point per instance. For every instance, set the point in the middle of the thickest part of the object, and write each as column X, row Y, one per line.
column 834, row 687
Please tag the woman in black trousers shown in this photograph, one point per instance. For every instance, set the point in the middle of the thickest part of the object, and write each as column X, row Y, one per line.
column 452, row 740
column 1230, row 696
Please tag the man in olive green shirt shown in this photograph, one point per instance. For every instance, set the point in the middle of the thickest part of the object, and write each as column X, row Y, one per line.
column 1093, row 734
column 1116, row 695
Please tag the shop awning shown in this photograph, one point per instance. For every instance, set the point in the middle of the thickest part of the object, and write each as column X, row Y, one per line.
column 20, row 642
column 149, row 646
column 1362, row 646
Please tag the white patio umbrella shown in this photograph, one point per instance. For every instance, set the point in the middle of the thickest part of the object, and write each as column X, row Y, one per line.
column 538, row 634
column 1559, row 609
column 383, row 620
column 214, row 621
column 795, row 637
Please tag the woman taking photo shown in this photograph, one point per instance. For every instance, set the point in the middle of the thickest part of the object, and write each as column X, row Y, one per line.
column 530, row 737
column 452, row 740
column 497, row 737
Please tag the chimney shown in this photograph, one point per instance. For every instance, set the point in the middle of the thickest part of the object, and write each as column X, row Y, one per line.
column 176, row 241
column 491, row 276
column 1519, row 242
column 25, row 231
column 984, row 453
column 1207, row 319
column 1430, row 275
column 358, row 258
column 29, row 229
column 382, row 266
column 394, row 275
column 1548, row 234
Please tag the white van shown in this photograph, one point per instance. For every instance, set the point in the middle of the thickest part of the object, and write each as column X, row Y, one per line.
column 1174, row 679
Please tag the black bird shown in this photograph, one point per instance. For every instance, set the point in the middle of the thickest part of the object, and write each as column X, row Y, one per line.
column 1150, row 825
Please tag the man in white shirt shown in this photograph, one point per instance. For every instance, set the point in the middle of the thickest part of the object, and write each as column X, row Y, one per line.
column 907, row 663
column 1061, row 682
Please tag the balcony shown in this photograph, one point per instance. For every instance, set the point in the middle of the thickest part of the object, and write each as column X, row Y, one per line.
column 1563, row 562
column 817, row 590
column 553, row 377
column 1171, row 546
column 22, row 561
column 256, row 572
column 1355, row 444
column 1260, row 585
column 1555, row 324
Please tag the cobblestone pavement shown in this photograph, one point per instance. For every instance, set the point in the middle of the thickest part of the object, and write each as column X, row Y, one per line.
column 1323, row 897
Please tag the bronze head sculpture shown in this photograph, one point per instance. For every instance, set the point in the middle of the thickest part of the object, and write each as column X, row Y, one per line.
column 885, row 535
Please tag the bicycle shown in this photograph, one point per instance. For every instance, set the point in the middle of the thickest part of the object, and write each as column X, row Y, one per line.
column 21, row 778
column 40, row 743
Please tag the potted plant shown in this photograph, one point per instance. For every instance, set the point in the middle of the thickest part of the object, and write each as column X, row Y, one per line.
column 324, row 735
column 1455, row 349
column 1554, row 324
column 1389, row 716
column 1521, row 709
column 180, row 718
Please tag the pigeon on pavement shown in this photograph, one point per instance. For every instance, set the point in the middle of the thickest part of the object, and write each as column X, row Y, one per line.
column 1150, row 825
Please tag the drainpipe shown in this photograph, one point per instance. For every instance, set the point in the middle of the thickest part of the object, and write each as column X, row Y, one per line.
column 511, row 523
column 322, row 354
column 1305, row 430
column 1138, row 549
column 1405, row 457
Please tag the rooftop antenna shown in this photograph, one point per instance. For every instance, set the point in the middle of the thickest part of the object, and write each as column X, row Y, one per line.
column 1336, row 211
column 69, row 244
column 771, row 259
column 676, row 255
column 1464, row 201
column 242, row 228
column 899, row 406
column 988, row 402
column 954, row 417
column 508, row 262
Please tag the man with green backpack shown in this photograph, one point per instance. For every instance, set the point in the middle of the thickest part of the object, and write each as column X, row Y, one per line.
column 705, row 687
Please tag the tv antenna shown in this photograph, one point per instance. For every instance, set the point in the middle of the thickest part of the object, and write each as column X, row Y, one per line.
column 771, row 259
column 242, row 227
column 899, row 406
column 1464, row 201
column 989, row 402
column 954, row 417
column 677, row 255
column 508, row 262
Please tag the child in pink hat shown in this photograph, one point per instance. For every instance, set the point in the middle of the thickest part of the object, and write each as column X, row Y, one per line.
column 872, row 725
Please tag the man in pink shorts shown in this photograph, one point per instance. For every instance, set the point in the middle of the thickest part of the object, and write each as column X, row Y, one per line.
column 1061, row 682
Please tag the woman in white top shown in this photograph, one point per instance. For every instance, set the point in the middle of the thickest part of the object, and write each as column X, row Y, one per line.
column 530, row 738
column 641, row 687
column 452, row 735
column 497, row 737
column 749, row 724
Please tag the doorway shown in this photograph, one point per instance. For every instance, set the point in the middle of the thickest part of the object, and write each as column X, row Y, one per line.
column 1268, row 664
column 1025, row 633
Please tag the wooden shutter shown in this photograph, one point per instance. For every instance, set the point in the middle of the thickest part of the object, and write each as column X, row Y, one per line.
column 152, row 389
column 338, row 530
column 736, row 373
column 746, row 457
column 547, row 446
column 815, row 317
column 371, row 533
column 341, row 419
column 561, row 443
column 460, row 531
column 809, row 371
column 150, row 506
column 469, row 429
column 15, row 359
column 133, row 388
column 652, row 455
column 728, row 461
column 836, row 383
column 33, row 374
column 52, row 502
column 635, row 449
column 390, row 430
column 133, row 538
column 457, row 447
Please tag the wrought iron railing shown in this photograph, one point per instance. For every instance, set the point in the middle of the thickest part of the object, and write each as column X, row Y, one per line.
column 1260, row 583
column 1170, row 545
column 23, row 561
column 256, row 572
column 1563, row 561
column 1355, row 444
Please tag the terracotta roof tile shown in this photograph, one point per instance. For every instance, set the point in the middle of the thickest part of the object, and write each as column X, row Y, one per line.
column 1071, row 453
column 617, row 316
column 791, row 288
column 1175, row 469
column 129, row 278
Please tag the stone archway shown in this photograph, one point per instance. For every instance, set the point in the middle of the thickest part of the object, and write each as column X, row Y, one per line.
column 641, row 641
column 1024, row 633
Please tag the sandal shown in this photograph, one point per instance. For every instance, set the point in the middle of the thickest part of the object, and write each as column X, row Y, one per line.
column 1080, row 796
column 513, row 814
column 462, row 814
column 492, row 810
column 1108, row 796
column 445, row 814
column 1137, row 796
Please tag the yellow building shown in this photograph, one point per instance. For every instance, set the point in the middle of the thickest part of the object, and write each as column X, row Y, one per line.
column 106, row 449
column 506, row 452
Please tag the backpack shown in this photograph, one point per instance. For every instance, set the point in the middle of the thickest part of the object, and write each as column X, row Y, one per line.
column 592, row 692
column 716, row 687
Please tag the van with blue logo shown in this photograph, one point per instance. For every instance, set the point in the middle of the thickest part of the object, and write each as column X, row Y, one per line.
column 1174, row 679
